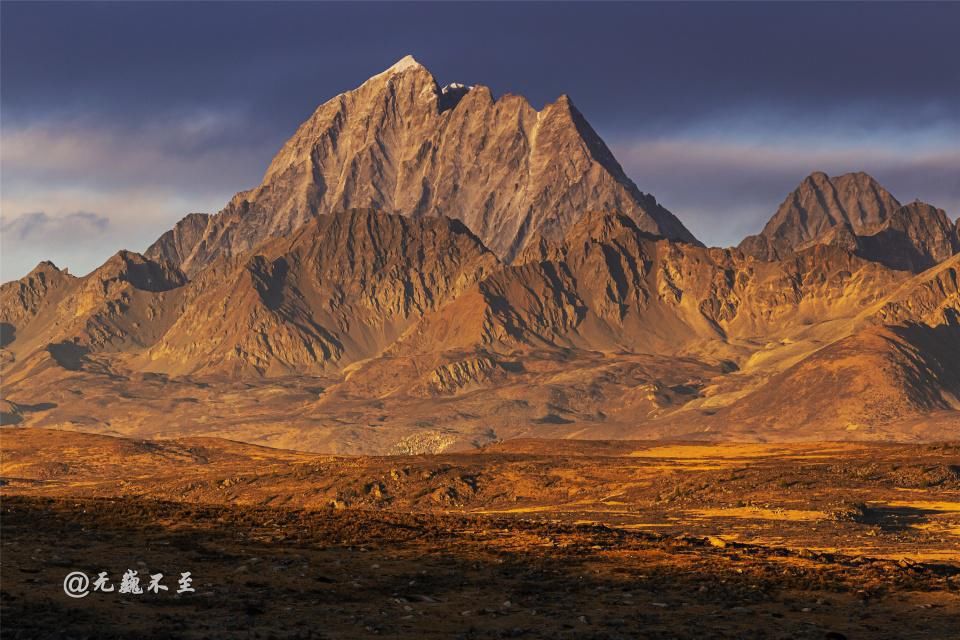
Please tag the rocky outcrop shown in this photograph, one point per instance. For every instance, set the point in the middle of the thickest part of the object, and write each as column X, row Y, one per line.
column 22, row 300
column 931, row 298
column 400, row 144
column 460, row 375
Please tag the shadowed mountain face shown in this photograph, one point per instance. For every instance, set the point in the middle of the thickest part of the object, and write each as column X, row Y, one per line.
column 503, row 279
column 338, row 289
column 915, row 237
column 853, row 211
column 400, row 144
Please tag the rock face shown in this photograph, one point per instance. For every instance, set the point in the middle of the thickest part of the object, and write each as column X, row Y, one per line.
column 400, row 144
column 24, row 299
column 610, row 286
column 129, row 301
column 931, row 298
column 175, row 245
column 854, row 212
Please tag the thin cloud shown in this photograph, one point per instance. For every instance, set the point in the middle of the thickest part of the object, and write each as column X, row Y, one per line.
column 196, row 153
column 53, row 229
column 138, row 179
column 725, row 189
column 74, row 240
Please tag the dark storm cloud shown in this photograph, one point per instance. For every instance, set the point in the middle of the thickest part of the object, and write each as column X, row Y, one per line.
column 628, row 63
column 150, row 110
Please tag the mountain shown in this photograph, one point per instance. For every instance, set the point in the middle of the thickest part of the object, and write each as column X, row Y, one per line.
column 371, row 332
column 177, row 244
column 22, row 300
column 400, row 143
column 609, row 285
column 854, row 211
column 914, row 238
column 816, row 206
column 503, row 279
column 857, row 386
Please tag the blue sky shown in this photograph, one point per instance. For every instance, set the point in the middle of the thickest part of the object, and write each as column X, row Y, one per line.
column 119, row 118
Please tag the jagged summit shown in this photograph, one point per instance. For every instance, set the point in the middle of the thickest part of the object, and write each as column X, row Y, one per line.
column 405, row 64
column 399, row 143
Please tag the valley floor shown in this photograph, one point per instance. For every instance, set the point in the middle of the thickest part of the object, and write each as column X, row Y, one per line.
column 537, row 539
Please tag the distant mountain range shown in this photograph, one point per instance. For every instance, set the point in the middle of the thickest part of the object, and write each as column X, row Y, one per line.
column 427, row 267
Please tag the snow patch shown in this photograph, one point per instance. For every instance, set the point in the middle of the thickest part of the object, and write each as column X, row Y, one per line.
column 455, row 87
column 404, row 63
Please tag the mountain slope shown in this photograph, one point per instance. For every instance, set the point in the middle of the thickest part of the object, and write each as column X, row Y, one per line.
column 22, row 300
column 900, row 363
column 129, row 301
column 914, row 238
column 365, row 331
column 875, row 377
column 341, row 288
column 610, row 286
column 175, row 245
column 931, row 298
column 399, row 143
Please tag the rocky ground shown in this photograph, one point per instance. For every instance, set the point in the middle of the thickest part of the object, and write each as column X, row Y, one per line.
column 274, row 573
column 539, row 539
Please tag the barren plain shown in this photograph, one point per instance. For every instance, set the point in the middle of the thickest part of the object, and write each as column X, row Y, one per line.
column 526, row 538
